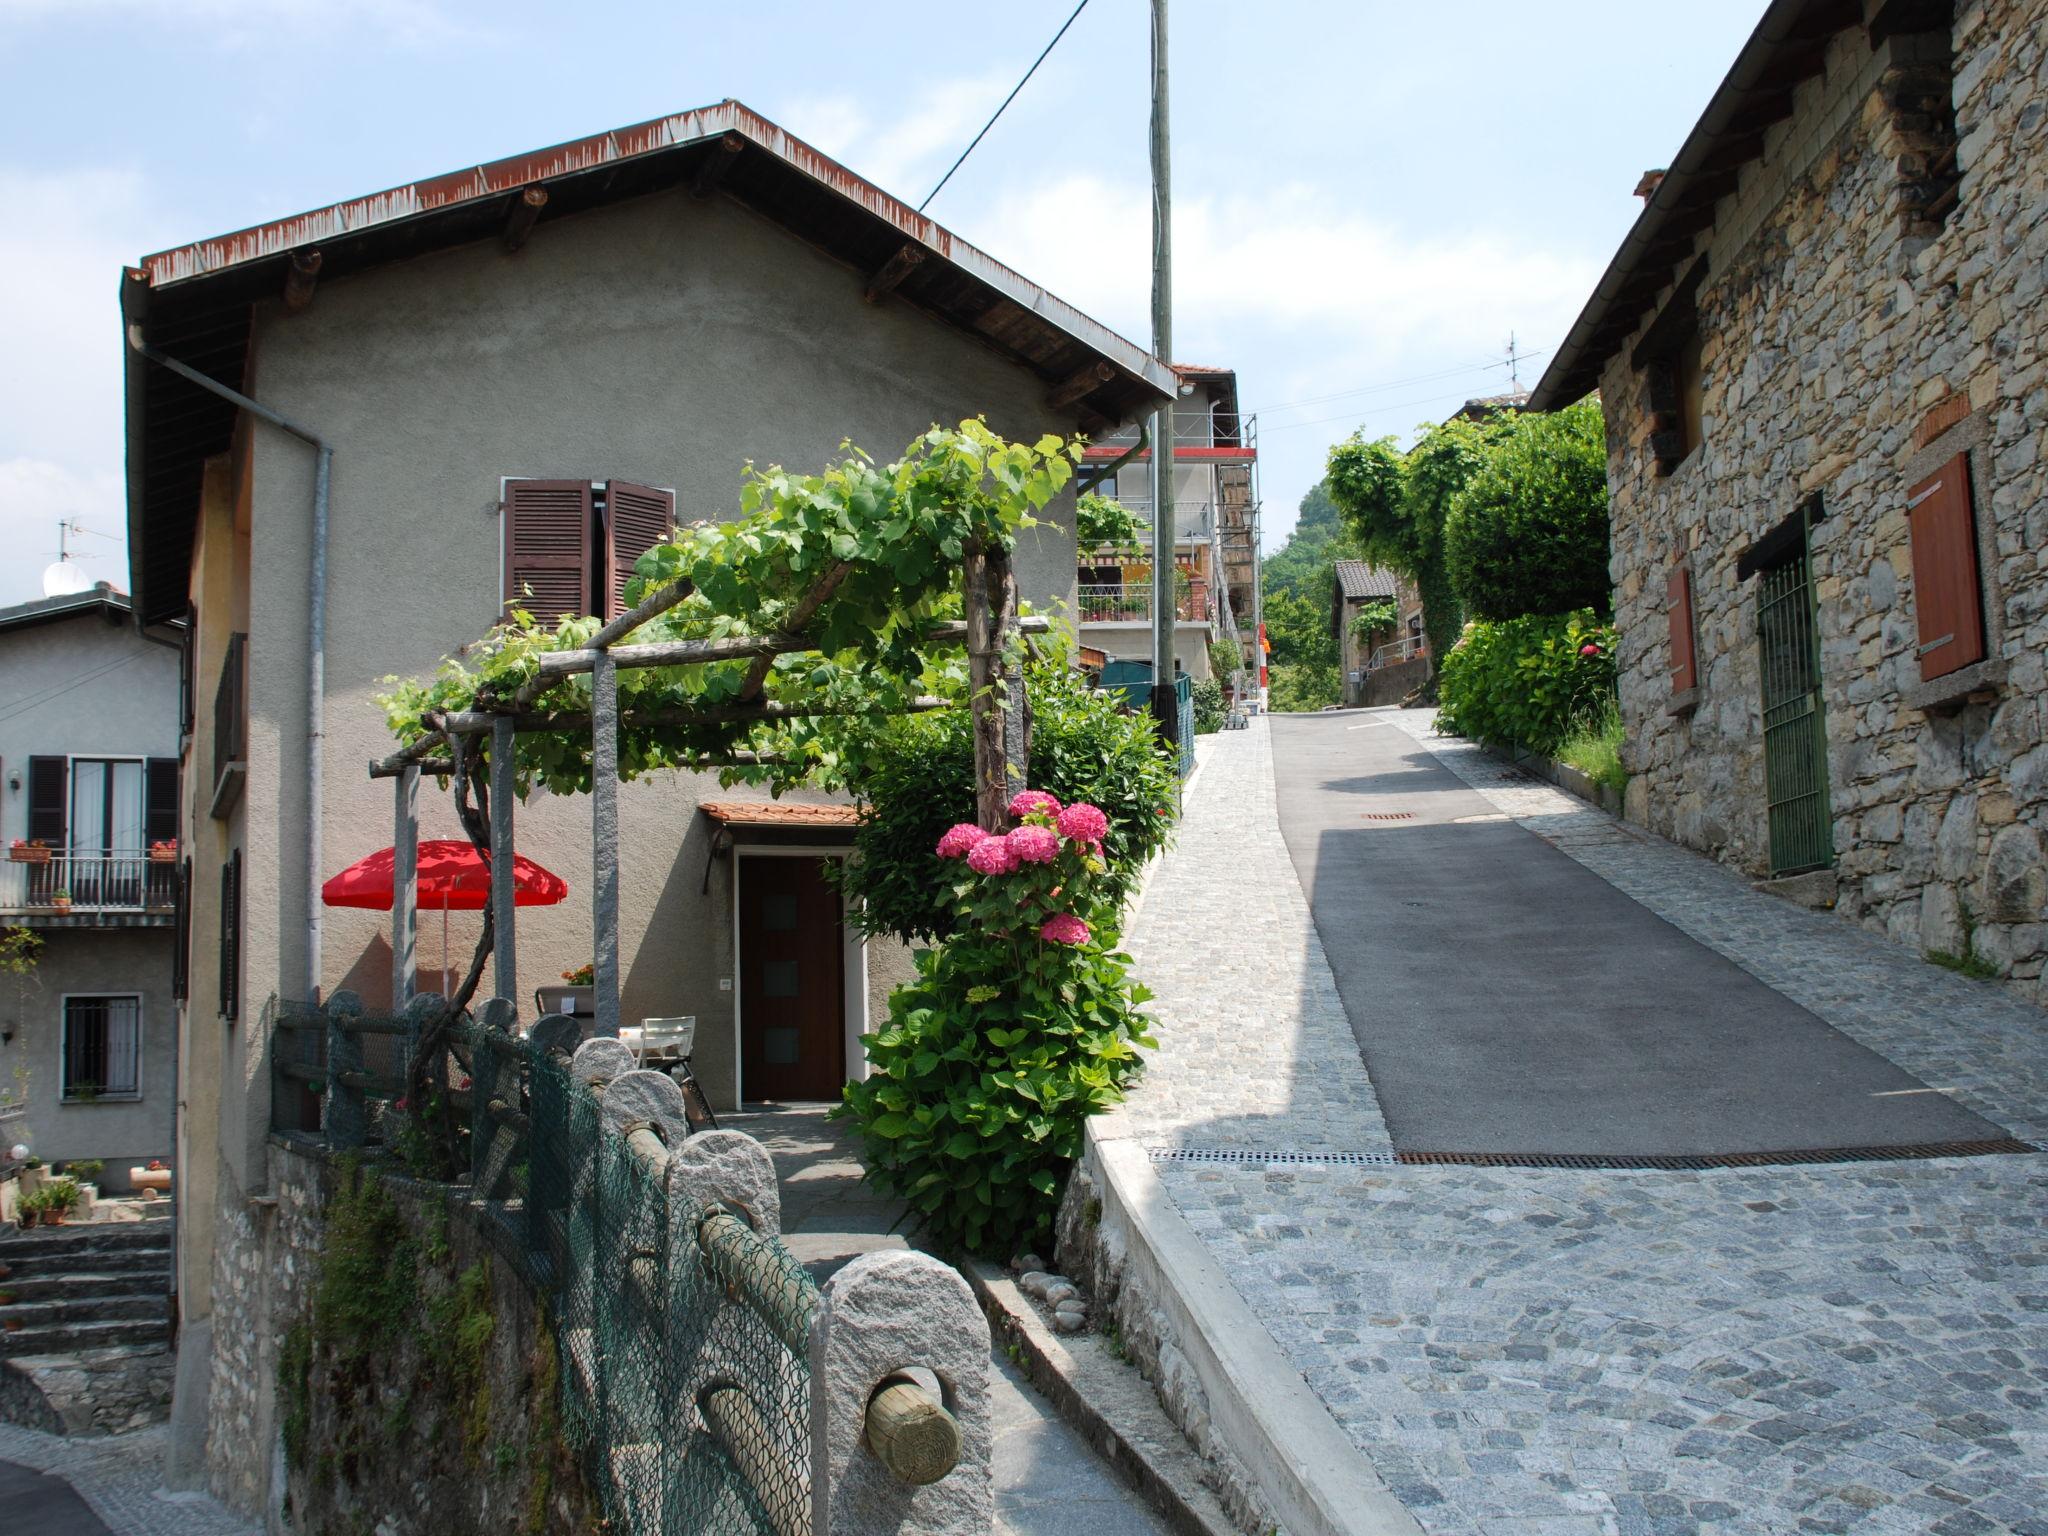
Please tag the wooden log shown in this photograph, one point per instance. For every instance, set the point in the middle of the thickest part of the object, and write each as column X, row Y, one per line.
column 990, row 594
column 1083, row 381
column 911, row 1433
column 683, row 653
column 520, row 219
column 754, row 1273
column 301, row 273
column 782, row 1485
column 906, row 261
column 806, row 609
column 474, row 722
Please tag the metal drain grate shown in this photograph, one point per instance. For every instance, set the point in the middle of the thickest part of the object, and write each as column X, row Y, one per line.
column 1998, row 1147
column 1240, row 1157
column 1254, row 1157
column 1386, row 816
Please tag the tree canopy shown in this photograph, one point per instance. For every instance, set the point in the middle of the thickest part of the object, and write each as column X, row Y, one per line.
column 1527, row 534
column 1295, row 596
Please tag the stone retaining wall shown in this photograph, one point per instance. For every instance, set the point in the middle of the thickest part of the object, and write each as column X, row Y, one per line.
column 1846, row 353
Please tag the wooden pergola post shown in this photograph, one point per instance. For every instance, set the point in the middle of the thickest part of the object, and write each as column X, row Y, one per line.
column 405, row 886
column 604, row 843
column 990, row 591
column 504, row 884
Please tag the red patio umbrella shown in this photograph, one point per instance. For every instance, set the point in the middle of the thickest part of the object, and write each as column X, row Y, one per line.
column 453, row 877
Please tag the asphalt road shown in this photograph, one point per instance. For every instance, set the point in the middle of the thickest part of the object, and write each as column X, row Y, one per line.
column 43, row 1503
column 1507, row 999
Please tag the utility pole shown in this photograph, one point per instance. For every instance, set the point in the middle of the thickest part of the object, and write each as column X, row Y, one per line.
column 1165, row 707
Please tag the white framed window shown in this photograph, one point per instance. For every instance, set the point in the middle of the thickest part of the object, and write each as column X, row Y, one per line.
column 101, row 1052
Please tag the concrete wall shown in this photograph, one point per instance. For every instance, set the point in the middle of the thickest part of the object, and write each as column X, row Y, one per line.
column 666, row 341
column 119, row 699
column 121, row 1132
column 128, row 708
column 1830, row 334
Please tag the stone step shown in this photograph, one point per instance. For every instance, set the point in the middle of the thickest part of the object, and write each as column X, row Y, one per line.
column 29, row 1286
column 80, row 1307
column 84, row 1237
column 64, row 1338
column 117, row 1261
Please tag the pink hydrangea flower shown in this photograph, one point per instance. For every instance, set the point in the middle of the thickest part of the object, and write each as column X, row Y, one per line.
column 1083, row 822
column 1589, row 649
column 991, row 856
column 1063, row 928
column 1027, row 802
column 959, row 839
column 1033, row 844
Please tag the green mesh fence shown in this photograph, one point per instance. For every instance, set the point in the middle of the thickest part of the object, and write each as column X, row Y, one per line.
column 685, row 1384
column 682, row 1333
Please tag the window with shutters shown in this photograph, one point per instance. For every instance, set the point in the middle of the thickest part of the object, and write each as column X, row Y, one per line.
column 570, row 545
column 1678, row 613
column 102, row 1049
column 181, row 950
column 231, row 936
column 1948, row 592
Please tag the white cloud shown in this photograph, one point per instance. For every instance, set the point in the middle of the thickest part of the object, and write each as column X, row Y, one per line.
column 34, row 495
column 905, row 154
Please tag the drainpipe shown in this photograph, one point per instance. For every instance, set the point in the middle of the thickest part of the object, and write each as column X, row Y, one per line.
column 316, row 626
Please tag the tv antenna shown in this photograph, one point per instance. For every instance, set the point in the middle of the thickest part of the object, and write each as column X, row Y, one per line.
column 1514, row 366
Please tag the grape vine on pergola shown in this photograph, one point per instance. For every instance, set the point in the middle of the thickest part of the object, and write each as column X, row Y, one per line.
column 761, row 648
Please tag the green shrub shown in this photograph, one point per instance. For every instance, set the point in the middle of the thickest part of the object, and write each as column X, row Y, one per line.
column 1226, row 657
column 85, row 1169
column 1594, row 747
column 1015, row 1031
column 1099, row 520
column 1302, row 687
column 919, row 780
column 1528, row 534
column 1527, row 682
column 1208, row 706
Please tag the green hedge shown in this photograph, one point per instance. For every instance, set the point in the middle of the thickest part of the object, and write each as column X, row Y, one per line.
column 1528, row 534
column 1527, row 682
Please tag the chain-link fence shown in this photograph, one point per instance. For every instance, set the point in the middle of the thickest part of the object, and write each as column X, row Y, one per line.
column 682, row 1331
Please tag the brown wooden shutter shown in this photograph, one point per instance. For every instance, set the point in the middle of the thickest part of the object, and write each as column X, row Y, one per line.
column 547, row 547
column 1947, row 597
column 636, row 518
column 47, row 781
column 181, row 944
column 1678, row 611
column 231, row 935
column 160, row 801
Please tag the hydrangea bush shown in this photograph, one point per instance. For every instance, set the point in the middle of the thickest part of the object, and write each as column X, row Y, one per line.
column 1017, row 1028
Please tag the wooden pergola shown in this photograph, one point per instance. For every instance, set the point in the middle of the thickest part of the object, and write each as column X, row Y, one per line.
column 996, row 696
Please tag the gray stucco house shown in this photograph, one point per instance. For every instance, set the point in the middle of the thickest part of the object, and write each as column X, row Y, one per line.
column 515, row 377
column 89, row 726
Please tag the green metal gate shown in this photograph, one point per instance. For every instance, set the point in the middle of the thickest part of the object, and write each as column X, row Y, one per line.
column 1795, row 725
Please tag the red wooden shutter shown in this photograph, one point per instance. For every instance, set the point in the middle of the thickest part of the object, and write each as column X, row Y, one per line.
column 47, row 781
column 636, row 518
column 1678, row 610
column 1947, row 597
column 547, row 547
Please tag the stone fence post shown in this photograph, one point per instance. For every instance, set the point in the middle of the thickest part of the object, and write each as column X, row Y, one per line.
column 347, row 1121
column 882, row 1318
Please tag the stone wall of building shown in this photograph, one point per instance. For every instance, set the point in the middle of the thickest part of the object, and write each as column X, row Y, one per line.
column 1845, row 351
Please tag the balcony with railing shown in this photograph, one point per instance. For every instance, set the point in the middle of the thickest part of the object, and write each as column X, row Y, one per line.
column 1110, row 603
column 1224, row 437
column 50, row 888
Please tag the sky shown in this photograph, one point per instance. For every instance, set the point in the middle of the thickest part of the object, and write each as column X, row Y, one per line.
column 1370, row 198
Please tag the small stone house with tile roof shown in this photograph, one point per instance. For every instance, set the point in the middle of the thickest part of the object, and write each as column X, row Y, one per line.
column 1380, row 667
column 1820, row 351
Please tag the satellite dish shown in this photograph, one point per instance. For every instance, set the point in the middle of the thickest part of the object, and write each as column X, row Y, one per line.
column 63, row 579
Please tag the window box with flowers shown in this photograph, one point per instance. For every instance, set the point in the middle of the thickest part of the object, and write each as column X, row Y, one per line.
column 164, row 851
column 34, row 851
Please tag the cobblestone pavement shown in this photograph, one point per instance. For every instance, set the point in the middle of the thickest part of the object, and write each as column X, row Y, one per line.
column 121, row 1478
column 1853, row 1347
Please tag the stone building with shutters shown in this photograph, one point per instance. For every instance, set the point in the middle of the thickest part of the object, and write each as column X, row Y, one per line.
column 89, row 716
column 503, row 385
column 1820, row 355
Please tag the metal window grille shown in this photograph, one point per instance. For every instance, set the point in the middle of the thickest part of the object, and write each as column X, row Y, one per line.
column 102, row 1047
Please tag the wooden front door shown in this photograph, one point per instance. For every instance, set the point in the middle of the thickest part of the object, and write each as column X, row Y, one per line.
column 792, row 981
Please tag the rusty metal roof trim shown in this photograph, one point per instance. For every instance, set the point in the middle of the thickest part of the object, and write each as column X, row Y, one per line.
column 206, row 258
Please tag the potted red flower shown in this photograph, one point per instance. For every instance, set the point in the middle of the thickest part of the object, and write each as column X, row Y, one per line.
column 164, row 851
column 31, row 851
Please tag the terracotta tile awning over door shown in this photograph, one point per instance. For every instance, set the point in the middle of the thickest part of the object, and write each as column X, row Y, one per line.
column 781, row 815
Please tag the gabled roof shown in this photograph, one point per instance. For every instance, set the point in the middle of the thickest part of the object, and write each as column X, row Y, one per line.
column 100, row 599
column 194, row 302
column 1789, row 45
column 1356, row 579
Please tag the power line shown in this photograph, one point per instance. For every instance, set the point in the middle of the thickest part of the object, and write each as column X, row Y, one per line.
column 20, row 706
column 1321, row 421
column 935, row 191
